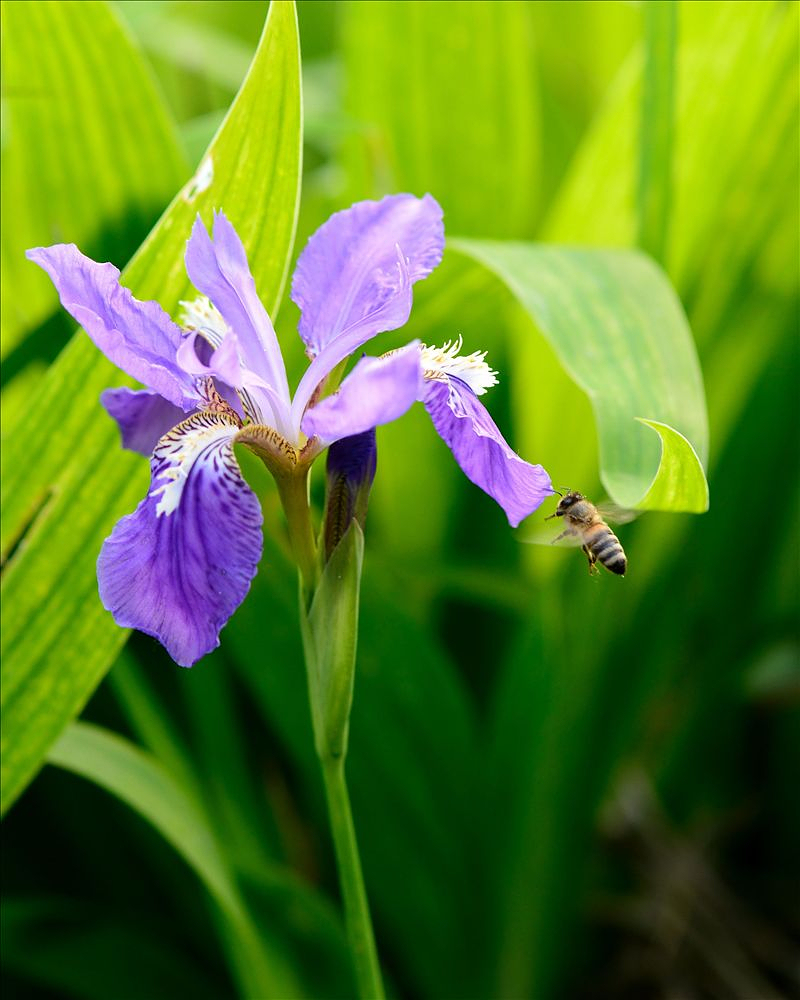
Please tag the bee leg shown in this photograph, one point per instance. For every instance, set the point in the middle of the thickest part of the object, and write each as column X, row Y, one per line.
column 592, row 560
column 564, row 534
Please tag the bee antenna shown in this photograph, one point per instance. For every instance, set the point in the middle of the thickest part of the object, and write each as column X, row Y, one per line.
column 556, row 491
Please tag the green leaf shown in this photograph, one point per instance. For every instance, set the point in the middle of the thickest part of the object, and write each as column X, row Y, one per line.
column 656, row 138
column 736, row 94
column 90, row 155
column 440, row 88
column 64, row 470
column 620, row 333
column 680, row 483
column 139, row 780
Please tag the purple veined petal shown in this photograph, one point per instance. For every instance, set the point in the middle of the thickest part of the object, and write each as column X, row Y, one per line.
column 480, row 449
column 377, row 391
column 143, row 417
column 223, row 362
column 180, row 565
column 137, row 336
column 346, row 276
column 388, row 315
column 219, row 270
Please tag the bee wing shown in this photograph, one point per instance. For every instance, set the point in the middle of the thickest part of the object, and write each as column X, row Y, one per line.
column 615, row 514
column 549, row 535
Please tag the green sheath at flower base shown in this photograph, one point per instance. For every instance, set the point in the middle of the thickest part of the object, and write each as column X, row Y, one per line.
column 330, row 632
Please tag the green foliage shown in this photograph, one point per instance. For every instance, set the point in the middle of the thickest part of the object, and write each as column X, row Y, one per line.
column 60, row 642
column 90, row 154
column 535, row 757
column 618, row 330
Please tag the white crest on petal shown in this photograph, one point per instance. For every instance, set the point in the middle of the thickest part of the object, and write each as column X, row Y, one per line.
column 178, row 451
column 202, row 315
column 470, row 369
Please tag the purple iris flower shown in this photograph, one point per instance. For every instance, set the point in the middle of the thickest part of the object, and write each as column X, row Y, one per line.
column 180, row 564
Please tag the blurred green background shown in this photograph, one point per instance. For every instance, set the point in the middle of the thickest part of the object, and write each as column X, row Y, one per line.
column 562, row 786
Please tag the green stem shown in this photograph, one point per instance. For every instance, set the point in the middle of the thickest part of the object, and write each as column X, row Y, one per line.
column 356, row 907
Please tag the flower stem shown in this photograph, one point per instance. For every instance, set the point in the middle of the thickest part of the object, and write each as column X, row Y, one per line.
column 356, row 907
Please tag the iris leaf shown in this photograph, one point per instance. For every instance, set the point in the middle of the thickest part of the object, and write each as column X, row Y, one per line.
column 140, row 781
column 65, row 477
column 656, row 136
column 91, row 154
column 441, row 86
column 679, row 483
column 621, row 335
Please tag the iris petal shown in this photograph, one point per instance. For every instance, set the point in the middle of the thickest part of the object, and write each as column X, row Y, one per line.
column 387, row 315
column 143, row 417
column 219, row 270
column 180, row 565
column 480, row 449
column 347, row 278
column 223, row 361
column 137, row 336
column 377, row 391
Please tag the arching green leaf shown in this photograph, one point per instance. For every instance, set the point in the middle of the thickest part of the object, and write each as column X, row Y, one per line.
column 620, row 333
column 138, row 779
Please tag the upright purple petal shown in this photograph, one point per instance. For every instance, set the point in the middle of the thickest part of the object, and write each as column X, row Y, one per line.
column 219, row 270
column 137, row 336
column 388, row 314
column 347, row 277
column 463, row 423
column 180, row 565
column 377, row 391
column 143, row 417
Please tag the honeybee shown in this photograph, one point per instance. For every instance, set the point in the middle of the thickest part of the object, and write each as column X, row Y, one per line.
column 585, row 523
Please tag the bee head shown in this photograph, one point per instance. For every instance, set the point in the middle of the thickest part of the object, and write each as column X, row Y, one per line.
column 567, row 501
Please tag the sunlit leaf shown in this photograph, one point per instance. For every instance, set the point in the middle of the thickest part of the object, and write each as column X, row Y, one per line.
column 736, row 94
column 619, row 331
column 63, row 468
column 89, row 153
column 679, row 483
column 656, row 138
column 447, row 96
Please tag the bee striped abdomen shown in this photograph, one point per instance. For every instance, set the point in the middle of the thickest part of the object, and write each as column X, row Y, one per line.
column 585, row 524
column 606, row 549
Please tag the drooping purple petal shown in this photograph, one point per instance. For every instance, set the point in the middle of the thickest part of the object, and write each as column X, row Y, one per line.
column 219, row 270
column 377, row 391
column 480, row 449
column 180, row 565
column 137, row 336
column 143, row 417
column 347, row 277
